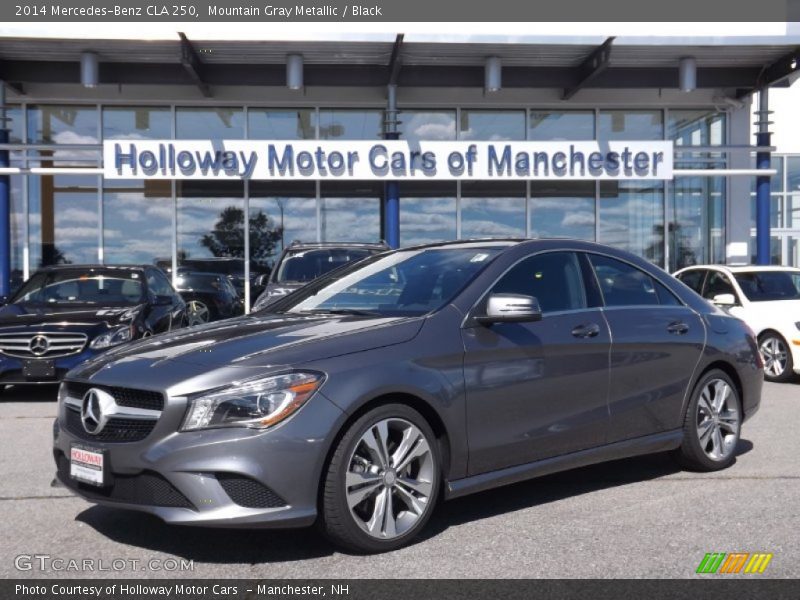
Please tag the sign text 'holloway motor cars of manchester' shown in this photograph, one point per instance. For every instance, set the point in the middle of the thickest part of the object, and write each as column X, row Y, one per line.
column 389, row 160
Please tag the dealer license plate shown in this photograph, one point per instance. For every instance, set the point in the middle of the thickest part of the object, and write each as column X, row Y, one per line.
column 87, row 465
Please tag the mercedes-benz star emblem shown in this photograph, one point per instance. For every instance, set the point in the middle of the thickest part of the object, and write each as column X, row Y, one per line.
column 39, row 345
column 96, row 408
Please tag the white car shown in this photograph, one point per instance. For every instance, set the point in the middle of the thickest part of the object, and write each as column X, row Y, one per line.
column 767, row 299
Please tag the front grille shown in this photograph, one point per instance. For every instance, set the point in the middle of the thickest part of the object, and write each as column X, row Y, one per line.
column 147, row 488
column 129, row 397
column 42, row 344
column 117, row 430
column 248, row 492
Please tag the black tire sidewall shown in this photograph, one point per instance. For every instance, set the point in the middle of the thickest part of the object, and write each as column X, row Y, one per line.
column 788, row 373
column 338, row 523
column 692, row 448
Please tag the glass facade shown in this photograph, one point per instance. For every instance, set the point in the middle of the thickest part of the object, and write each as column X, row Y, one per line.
column 82, row 218
column 784, row 211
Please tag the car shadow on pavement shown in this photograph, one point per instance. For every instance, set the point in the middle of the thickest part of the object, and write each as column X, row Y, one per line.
column 29, row 393
column 241, row 546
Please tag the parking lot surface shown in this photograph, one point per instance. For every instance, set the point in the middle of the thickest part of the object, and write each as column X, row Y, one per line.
column 640, row 517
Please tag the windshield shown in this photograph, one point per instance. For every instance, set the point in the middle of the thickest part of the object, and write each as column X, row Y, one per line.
column 122, row 288
column 762, row 286
column 307, row 265
column 405, row 283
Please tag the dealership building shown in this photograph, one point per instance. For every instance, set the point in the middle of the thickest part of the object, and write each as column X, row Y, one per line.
column 64, row 97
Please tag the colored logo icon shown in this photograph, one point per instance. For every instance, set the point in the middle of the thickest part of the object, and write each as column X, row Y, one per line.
column 735, row 562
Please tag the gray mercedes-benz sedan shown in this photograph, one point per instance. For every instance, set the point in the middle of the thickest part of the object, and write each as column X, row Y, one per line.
column 427, row 373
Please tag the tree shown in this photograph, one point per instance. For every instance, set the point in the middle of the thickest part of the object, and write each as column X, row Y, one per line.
column 227, row 237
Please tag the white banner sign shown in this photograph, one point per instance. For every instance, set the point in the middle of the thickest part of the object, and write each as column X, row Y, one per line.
column 385, row 160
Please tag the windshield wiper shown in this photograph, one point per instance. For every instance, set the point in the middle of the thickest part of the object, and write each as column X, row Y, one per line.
column 339, row 311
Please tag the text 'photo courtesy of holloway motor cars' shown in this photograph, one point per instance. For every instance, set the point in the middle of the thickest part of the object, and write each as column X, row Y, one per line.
column 364, row 398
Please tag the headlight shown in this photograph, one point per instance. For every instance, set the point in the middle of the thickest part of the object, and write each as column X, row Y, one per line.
column 113, row 338
column 258, row 403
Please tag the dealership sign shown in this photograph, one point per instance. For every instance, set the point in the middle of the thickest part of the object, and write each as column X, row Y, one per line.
column 385, row 160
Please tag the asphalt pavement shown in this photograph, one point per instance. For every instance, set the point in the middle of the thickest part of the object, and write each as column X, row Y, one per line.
column 639, row 517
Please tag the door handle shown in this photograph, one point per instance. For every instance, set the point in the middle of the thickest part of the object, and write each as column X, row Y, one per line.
column 678, row 328
column 586, row 331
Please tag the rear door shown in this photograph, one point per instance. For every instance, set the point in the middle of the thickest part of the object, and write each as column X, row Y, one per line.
column 536, row 390
column 656, row 345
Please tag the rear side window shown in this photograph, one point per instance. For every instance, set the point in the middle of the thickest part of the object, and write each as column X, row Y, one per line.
column 625, row 285
column 694, row 279
column 553, row 278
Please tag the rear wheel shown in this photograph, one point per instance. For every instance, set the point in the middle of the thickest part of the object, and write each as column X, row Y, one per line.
column 712, row 424
column 382, row 482
column 778, row 364
column 197, row 312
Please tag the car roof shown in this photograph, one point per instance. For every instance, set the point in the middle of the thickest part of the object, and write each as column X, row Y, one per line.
column 742, row 268
column 84, row 267
column 321, row 245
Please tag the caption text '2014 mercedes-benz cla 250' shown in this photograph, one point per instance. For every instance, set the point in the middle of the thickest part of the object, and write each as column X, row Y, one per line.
column 431, row 372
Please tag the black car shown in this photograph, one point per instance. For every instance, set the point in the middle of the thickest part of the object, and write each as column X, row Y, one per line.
column 232, row 268
column 208, row 297
column 301, row 263
column 64, row 315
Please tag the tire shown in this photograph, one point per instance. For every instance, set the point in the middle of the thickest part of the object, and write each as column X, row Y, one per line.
column 777, row 357
column 198, row 312
column 357, row 461
column 712, row 424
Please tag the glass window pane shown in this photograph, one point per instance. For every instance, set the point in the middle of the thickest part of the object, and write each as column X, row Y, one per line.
column 631, row 125
column 141, row 206
column 492, row 125
column 350, row 211
column 775, row 210
column 696, row 127
column 562, row 209
column 427, row 212
column 793, row 216
column 561, row 125
column 201, row 123
column 492, row 209
column 210, row 221
column 64, row 125
column 350, row 124
column 776, row 252
column 72, row 237
column 289, row 124
column 631, row 215
column 418, row 125
column 136, row 123
column 17, row 231
column 793, row 174
column 15, row 124
column 553, row 278
column 280, row 213
column 623, row 284
column 697, row 228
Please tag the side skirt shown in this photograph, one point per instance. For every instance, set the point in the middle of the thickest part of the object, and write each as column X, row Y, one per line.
column 649, row 444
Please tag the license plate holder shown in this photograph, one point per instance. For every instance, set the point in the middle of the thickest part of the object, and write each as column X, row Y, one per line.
column 39, row 369
column 88, row 465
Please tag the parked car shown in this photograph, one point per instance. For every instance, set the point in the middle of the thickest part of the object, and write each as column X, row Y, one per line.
column 208, row 297
column 232, row 268
column 424, row 373
column 301, row 263
column 64, row 315
column 767, row 299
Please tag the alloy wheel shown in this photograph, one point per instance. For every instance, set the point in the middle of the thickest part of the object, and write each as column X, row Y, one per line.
column 390, row 478
column 718, row 420
column 197, row 312
column 775, row 355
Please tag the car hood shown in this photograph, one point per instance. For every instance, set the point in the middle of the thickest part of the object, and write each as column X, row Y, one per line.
column 260, row 343
column 30, row 315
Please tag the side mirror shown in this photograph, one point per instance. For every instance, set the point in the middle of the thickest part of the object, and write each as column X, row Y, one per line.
column 163, row 301
column 511, row 308
column 724, row 300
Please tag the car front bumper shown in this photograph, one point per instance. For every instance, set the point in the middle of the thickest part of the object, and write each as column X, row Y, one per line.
column 230, row 477
column 11, row 372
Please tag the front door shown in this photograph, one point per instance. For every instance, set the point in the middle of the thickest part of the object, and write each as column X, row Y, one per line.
column 536, row 390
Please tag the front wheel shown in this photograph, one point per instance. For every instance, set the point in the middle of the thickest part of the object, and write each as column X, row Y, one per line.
column 382, row 482
column 778, row 364
column 712, row 424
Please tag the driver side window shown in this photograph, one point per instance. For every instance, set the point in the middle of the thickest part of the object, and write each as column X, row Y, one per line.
column 158, row 284
column 553, row 278
column 716, row 284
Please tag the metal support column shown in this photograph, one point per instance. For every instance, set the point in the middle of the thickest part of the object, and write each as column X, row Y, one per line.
column 763, row 161
column 5, row 203
column 391, row 208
